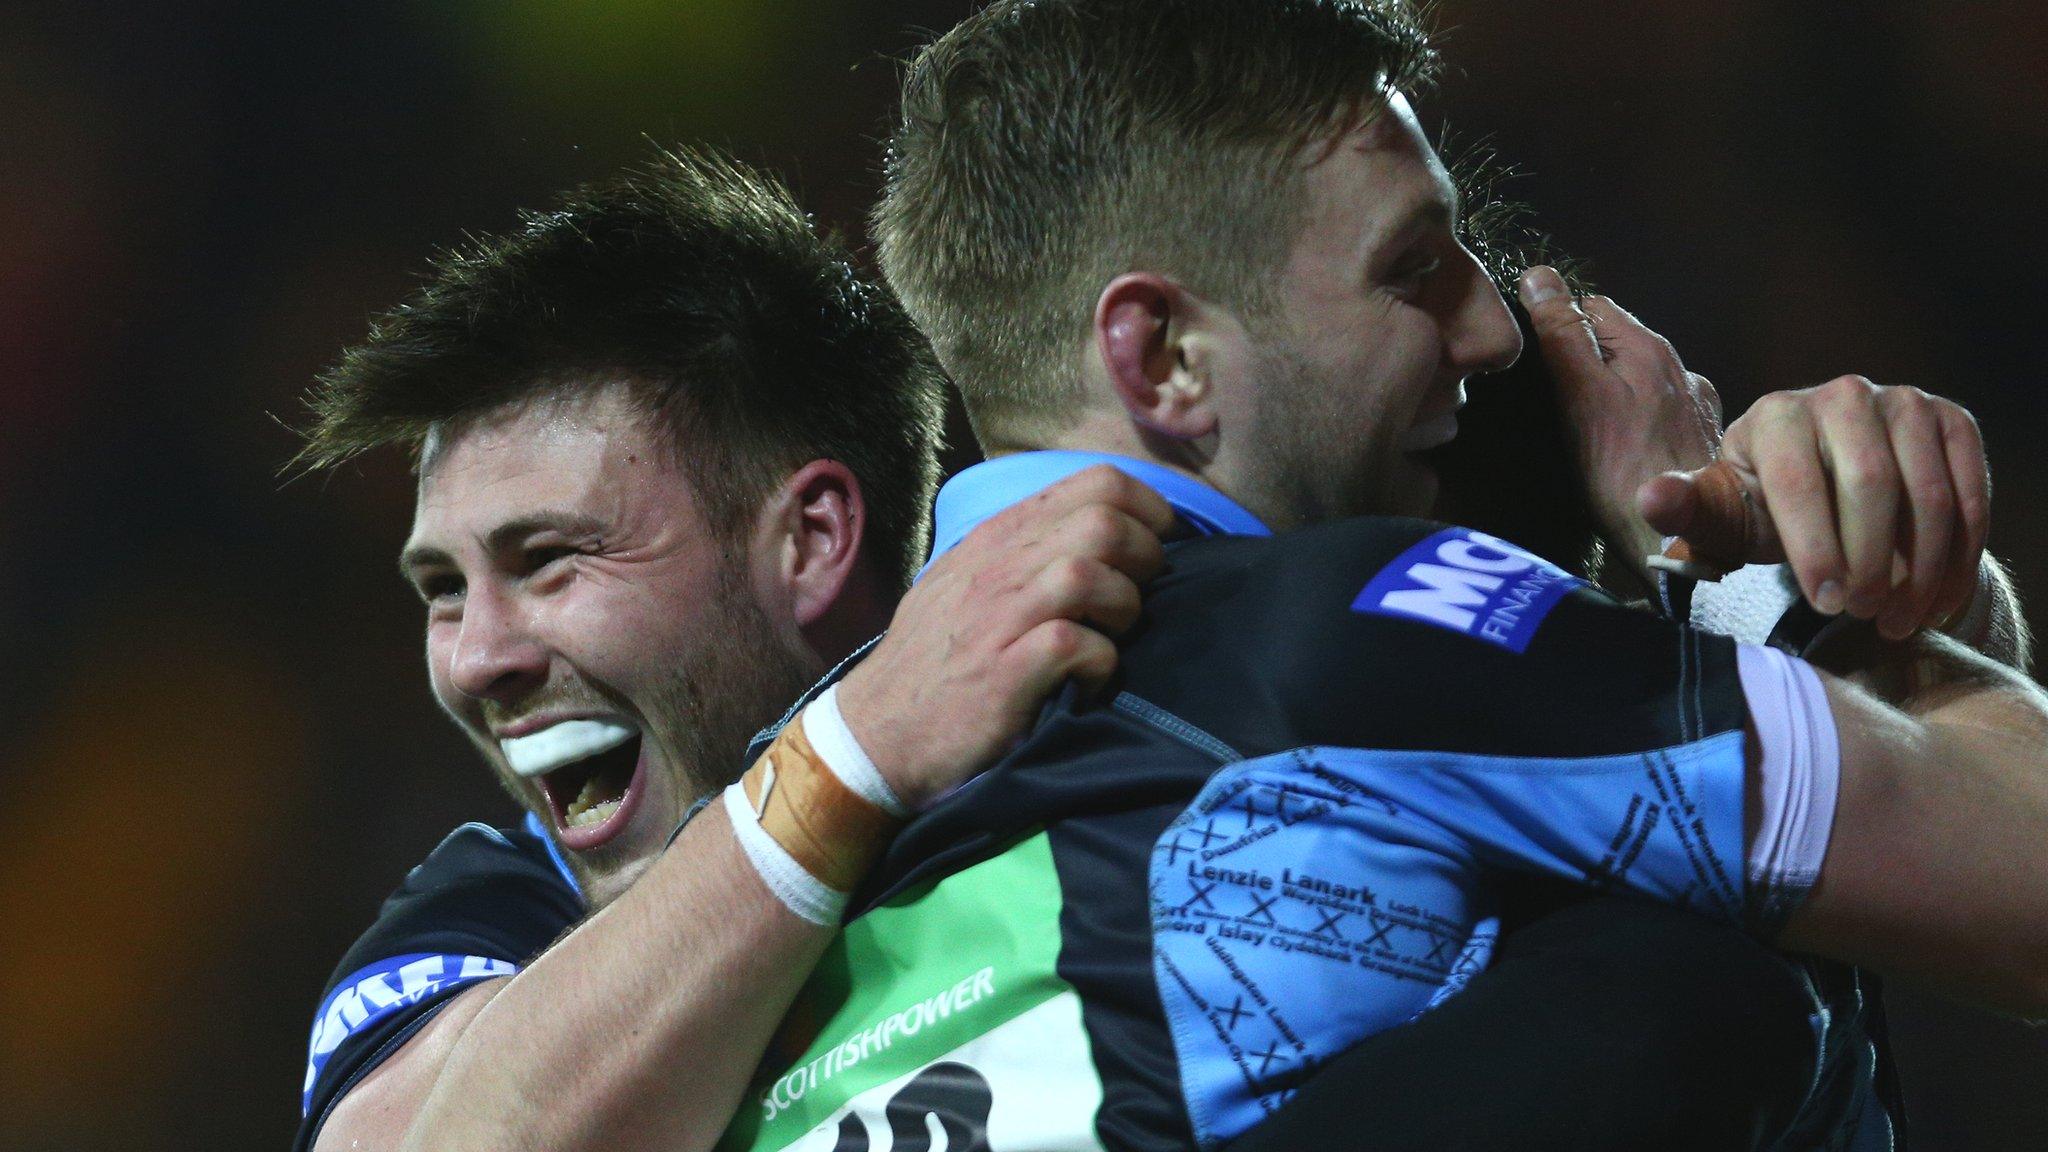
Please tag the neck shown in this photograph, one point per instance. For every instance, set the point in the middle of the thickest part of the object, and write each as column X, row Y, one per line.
column 860, row 614
column 1114, row 433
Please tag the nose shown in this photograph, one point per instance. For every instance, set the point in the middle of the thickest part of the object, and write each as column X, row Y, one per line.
column 496, row 654
column 1482, row 335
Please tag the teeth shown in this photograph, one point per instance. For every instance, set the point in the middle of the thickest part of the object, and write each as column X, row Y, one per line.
column 579, row 817
column 540, row 753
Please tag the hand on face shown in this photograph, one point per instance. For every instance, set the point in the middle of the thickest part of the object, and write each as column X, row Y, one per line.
column 1028, row 600
column 1629, row 402
column 1879, row 498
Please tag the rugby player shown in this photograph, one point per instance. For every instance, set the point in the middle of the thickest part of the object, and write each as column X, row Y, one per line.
column 675, row 461
column 572, row 1048
column 558, row 1091
column 1208, row 240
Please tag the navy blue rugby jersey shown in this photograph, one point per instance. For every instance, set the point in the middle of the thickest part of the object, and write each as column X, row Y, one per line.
column 1149, row 926
column 1290, row 714
column 481, row 905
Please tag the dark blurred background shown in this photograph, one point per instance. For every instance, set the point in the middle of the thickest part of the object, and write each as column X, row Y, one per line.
column 218, row 749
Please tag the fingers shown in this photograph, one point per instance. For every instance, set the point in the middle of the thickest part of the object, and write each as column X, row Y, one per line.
column 1776, row 441
column 1707, row 396
column 1970, row 476
column 1074, row 554
column 1099, row 513
column 1081, row 589
column 1563, row 331
column 1929, row 522
column 1880, row 497
column 1668, row 503
column 1857, row 446
column 1108, row 487
column 1058, row 650
column 1112, row 536
column 1625, row 340
column 1026, row 601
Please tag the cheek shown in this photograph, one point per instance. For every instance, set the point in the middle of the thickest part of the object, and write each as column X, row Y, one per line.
column 624, row 633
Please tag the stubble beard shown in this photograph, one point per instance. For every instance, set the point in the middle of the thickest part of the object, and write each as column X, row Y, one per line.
column 1307, row 476
column 703, row 717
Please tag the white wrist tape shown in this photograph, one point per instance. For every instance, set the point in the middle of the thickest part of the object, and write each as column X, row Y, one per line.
column 799, row 891
column 1746, row 604
column 1799, row 773
column 835, row 743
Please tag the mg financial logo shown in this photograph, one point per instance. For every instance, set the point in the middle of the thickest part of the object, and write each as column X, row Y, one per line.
column 1472, row 583
column 371, row 994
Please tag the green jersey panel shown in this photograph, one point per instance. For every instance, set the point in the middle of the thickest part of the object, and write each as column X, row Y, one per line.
column 936, row 1019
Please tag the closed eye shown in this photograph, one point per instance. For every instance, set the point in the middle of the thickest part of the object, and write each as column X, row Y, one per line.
column 1412, row 274
column 536, row 559
column 435, row 588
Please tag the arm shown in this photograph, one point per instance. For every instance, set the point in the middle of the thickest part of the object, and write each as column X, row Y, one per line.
column 592, row 1040
column 1937, row 867
column 641, row 1028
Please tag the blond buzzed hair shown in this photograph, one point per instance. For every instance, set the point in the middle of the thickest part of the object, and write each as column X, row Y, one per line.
column 1047, row 146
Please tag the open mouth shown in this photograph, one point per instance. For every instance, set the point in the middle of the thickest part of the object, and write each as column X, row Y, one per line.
column 586, row 769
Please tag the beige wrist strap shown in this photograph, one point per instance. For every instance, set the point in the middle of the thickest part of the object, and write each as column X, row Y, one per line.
column 830, row 831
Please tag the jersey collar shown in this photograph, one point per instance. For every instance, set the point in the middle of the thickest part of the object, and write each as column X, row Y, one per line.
column 991, row 486
column 540, row 832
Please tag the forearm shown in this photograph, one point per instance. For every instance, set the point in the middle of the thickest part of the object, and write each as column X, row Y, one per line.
column 1937, row 868
column 639, row 1029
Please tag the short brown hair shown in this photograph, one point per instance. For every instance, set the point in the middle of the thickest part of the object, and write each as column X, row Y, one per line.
column 1048, row 145
column 700, row 283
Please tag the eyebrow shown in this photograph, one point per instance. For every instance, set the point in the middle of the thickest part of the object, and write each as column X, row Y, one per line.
column 1433, row 211
column 501, row 538
column 1423, row 215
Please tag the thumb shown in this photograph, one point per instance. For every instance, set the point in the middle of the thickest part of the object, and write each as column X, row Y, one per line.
column 1562, row 329
column 1668, row 502
column 1712, row 510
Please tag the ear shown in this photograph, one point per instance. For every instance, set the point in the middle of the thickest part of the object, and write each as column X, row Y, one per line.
column 1149, row 335
column 807, row 542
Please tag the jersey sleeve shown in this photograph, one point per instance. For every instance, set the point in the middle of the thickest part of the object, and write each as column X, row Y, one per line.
column 1437, row 704
column 1540, row 722
column 481, row 905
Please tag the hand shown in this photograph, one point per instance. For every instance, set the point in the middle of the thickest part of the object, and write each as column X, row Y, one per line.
column 1028, row 600
column 1633, row 408
column 1879, row 498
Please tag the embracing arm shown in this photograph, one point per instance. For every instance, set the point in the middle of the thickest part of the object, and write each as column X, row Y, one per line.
column 642, row 1027
column 593, row 1044
column 1937, row 867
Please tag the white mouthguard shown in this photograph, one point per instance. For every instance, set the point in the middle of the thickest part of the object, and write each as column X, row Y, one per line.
column 548, row 749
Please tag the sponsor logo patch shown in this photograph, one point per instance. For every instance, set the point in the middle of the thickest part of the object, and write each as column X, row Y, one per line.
column 1469, row 582
column 371, row 994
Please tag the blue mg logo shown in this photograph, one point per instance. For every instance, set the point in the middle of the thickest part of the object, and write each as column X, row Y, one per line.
column 1469, row 582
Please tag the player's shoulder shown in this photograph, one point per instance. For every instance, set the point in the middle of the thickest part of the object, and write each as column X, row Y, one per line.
column 477, row 852
column 1378, row 568
column 1403, row 633
column 478, row 907
column 500, row 891
column 1335, row 552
